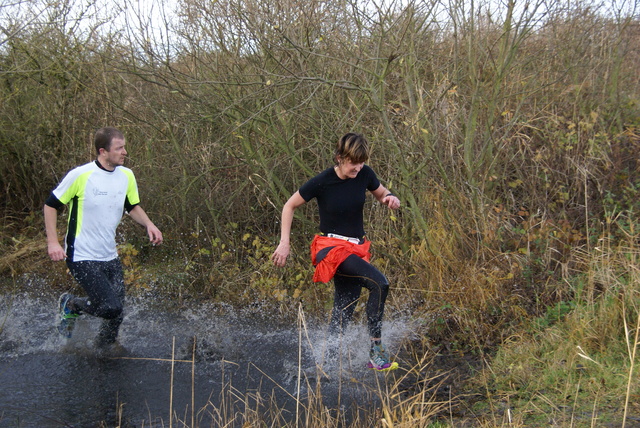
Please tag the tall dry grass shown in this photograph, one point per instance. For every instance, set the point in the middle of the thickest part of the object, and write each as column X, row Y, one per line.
column 577, row 362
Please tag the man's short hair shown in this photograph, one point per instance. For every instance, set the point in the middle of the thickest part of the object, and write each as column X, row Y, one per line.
column 104, row 137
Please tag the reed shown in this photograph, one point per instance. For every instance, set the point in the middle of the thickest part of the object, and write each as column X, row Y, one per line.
column 387, row 403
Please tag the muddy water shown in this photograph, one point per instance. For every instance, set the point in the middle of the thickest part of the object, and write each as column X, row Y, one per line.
column 241, row 359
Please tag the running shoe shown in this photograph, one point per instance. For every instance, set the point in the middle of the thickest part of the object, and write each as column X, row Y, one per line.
column 379, row 359
column 67, row 316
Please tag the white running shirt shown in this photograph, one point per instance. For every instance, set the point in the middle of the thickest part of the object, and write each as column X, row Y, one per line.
column 97, row 199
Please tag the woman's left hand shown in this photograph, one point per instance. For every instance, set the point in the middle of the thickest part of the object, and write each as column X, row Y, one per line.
column 391, row 201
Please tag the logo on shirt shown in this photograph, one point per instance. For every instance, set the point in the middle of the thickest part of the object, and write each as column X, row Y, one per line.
column 98, row 192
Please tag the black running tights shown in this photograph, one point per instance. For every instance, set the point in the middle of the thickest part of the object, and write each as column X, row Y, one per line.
column 104, row 284
column 353, row 274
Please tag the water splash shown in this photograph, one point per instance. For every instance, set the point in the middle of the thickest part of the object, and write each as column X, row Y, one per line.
column 48, row 379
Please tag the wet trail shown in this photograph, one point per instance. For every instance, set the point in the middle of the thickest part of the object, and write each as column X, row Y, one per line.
column 241, row 362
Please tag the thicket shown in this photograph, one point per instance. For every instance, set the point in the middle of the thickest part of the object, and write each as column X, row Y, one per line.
column 509, row 131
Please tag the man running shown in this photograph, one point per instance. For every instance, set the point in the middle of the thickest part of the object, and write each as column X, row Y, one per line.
column 98, row 193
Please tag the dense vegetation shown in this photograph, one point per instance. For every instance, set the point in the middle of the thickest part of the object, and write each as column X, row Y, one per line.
column 508, row 129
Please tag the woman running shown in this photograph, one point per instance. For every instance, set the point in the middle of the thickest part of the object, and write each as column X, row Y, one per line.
column 341, row 250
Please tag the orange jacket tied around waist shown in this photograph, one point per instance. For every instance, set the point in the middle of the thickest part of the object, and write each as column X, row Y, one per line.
column 326, row 269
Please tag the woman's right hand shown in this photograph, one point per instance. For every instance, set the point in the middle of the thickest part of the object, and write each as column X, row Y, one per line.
column 281, row 253
column 279, row 256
